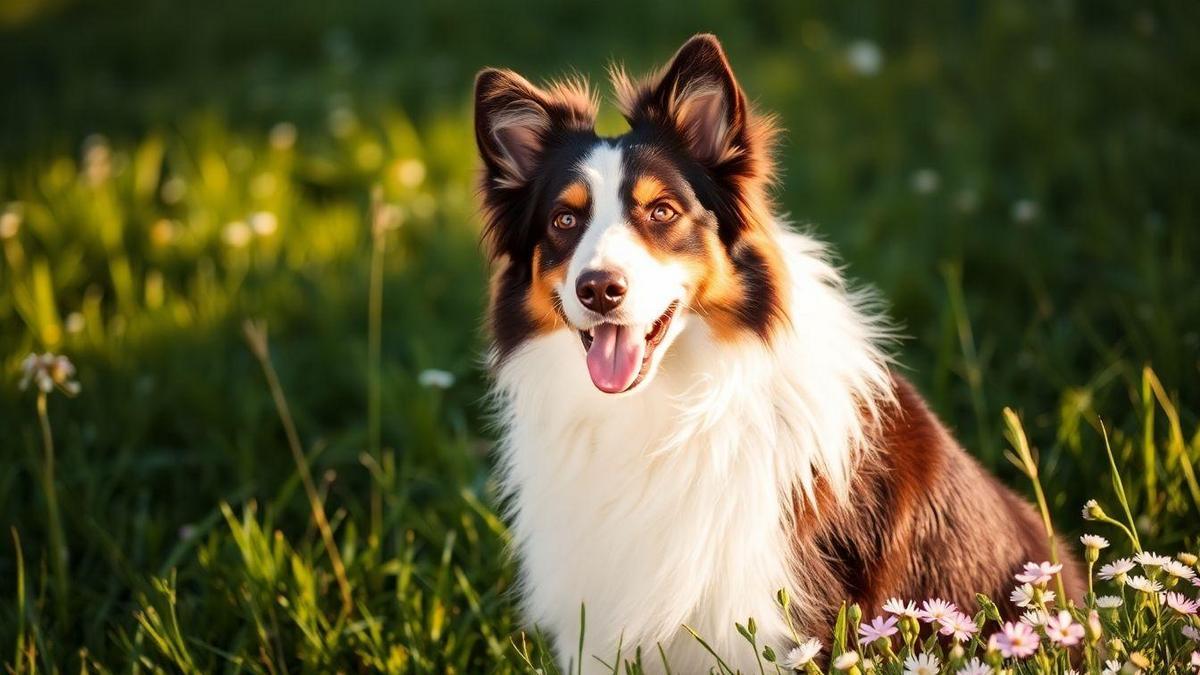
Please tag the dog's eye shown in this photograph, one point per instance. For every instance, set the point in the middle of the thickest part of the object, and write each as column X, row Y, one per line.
column 565, row 220
column 663, row 213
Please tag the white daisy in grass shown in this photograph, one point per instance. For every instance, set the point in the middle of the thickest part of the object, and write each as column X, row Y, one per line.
column 1038, row 574
column 1109, row 602
column 802, row 654
column 1024, row 596
column 1179, row 570
column 1092, row 510
column 1111, row 668
column 899, row 608
column 1117, row 568
column 936, row 609
column 1149, row 559
column 1094, row 541
column 1143, row 584
column 974, row 667
column 1035, row 618
column 1181, row 603
column 922, row 664
column 846, row 660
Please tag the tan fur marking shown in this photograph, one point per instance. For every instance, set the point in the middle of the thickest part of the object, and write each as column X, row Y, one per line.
column 540, row 304
column 647, row 189
column 575, row 196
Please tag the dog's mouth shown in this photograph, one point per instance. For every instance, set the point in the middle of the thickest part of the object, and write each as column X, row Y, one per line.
column 620, row 356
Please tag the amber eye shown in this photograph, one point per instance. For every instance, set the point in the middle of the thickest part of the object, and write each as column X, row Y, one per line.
column 663, row 213
column 565, row 220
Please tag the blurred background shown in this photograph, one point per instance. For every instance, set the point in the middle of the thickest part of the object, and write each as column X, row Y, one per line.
column 1018, row 179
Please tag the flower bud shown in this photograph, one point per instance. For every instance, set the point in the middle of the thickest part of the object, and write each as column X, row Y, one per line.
column 1092, row 511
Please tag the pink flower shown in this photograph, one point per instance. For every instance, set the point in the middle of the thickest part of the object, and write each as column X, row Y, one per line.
column 1015, row 640
column 936, row 609
column 1063, row 631
column 1038, row 573
column 878, row 629
column 1181, row 603
column 959, row 625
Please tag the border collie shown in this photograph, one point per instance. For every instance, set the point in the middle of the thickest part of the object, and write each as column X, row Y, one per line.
column 696, row 409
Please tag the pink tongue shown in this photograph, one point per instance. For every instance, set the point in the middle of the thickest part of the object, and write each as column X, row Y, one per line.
column 615, row 357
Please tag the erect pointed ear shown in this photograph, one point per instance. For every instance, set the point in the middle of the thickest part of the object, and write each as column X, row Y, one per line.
column 515, row 121
column 697, row 95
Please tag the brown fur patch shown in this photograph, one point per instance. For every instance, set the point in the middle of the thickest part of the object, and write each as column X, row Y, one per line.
column 542, row 303
column 924, row 520
column 647, row 189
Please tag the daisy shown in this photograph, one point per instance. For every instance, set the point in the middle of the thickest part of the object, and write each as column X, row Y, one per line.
column 896, row 606
column 1015, row 640
column 923, row 664
column 1196, row 582
column 802, row 655
column 1092, row 510
column 1063, row 631
column 846, row 661
column 1035, row 618
column 936, row 609
column 1190, row 633
column 974, row 667
column 1179, row 570
column 1114, row 569
column 1111, row 668
column 958, row 625
column 1038, row 574
column 1109, row 602
column 1196, row 660
column 1181, row 603
column 1149, row 559
column 1022, row 596
column 1143, row 584
column 1093, row 541
column 878, row 629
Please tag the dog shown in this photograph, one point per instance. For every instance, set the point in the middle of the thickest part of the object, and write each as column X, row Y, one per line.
column 696, row 409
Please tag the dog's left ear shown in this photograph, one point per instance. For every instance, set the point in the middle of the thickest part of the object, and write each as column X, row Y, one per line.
column 697, row 95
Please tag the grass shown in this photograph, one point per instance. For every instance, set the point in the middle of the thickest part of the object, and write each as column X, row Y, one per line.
column 1016, row 179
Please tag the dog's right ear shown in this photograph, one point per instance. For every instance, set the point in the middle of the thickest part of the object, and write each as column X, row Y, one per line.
column 515, row 122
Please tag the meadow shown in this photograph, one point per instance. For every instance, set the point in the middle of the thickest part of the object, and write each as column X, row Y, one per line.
column 252, row 228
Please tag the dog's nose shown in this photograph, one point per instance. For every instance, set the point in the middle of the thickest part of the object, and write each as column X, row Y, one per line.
column 601, row 290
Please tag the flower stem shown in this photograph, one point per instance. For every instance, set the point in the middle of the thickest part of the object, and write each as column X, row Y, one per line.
column 1021, row 443
column 58, row 544
column 374, row 351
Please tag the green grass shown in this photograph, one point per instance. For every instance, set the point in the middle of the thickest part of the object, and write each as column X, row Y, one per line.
column 1051, row 269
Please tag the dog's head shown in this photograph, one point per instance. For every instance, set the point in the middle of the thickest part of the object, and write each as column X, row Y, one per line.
column 626, row 240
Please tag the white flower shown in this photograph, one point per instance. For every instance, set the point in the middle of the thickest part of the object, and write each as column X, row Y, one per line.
column 1149, row 559
column 1022, row 596
column 923, row 664
column 1114, row 569
column 282, row 136
column 926, row 181
column 896, row 606
column 1190, row 633
column 1179, row 570
column 802, row 654
column 432, row 378
column 1025, row 211
column 48, row 371
column 237, row 234
column 1143, row 584
column 846, row 660
column 1109, row 602
column 936, row 610
column 264, row 223
column 865, row 57
column 1093, row 541
column 975, row 667
column 1111, row 668
column 1035, row 618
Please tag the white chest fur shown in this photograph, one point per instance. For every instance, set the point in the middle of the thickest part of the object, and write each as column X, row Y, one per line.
column 670, row 506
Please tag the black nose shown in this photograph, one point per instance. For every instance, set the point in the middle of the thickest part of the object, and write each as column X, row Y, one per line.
column 601, row 290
